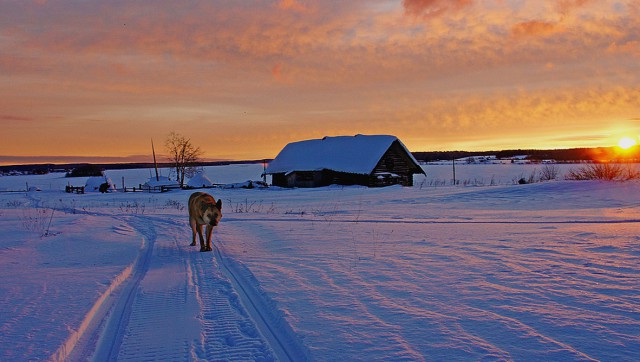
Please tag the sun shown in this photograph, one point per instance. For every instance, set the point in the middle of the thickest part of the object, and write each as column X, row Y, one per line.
column 626, row 142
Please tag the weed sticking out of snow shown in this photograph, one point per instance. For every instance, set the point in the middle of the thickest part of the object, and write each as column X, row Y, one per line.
column 14, row 204
column 253, row 206
column 132, row 207
column 175, row 204
column 37, row 219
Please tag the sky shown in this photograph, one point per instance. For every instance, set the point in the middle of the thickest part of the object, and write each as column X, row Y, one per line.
column 95, row 81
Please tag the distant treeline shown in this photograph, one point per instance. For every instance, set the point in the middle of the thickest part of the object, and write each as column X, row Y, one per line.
column 562, row 155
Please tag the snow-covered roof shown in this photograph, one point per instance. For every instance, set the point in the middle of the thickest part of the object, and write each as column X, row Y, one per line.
column 357, row 154
column 200, row 180
column 160, row 181
column 93, row 183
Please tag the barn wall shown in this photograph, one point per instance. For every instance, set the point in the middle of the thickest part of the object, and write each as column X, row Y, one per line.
column 305, row 179
column 341, row 178
column 279, row 179
column 396, row 161
column 318, row 179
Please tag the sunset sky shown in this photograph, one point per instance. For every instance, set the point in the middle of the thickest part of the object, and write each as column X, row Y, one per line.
column 94, row 80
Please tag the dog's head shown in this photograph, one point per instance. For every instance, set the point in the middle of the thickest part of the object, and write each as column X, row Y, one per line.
column 212, row 213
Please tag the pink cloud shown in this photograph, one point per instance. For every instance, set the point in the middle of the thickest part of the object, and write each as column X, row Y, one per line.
column 277, row 73
column 292, row 5
column 11, row 118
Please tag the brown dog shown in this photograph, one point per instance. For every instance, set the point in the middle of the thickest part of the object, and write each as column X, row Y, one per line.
column 203, row 210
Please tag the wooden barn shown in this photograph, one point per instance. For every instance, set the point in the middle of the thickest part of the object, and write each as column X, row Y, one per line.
column 375, row 160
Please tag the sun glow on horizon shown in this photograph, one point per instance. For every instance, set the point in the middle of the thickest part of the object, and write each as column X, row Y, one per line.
column 626, row 142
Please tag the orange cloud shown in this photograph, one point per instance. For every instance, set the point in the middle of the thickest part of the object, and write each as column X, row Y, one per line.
column 433, row 8
column 566, row 6
column 341, row 42
column 533, row 28
column 628, row 47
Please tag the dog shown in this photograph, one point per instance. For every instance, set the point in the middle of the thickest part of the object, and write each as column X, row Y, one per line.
column 203, row 210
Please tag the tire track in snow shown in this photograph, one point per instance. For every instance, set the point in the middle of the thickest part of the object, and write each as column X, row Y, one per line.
column 112, row 332
column 229, row 333
column 238, row 322
column 101, row 331
column 162, row 323
column 272, row 326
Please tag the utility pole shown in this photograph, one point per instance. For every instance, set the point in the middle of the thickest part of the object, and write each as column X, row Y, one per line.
column 155, row 164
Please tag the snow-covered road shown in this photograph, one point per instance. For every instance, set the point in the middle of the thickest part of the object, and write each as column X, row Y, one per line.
column 179, row 304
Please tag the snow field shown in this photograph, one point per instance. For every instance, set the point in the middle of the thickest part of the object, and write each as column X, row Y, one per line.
column 546, row 271
column 51, row 284
column 525, row 286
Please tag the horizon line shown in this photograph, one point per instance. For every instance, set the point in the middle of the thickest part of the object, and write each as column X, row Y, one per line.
column 11, row 160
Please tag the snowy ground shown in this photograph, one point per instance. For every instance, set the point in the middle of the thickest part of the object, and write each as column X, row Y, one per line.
column 546, row 271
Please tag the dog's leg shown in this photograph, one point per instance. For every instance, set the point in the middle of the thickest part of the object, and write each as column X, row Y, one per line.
column 209, row 232
column 194, row 225
column 202, row 245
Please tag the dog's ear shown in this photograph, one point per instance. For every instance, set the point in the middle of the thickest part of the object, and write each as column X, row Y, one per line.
column 219, row 204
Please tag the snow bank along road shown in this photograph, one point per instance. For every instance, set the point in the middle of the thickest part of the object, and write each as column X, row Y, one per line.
column 536, row 272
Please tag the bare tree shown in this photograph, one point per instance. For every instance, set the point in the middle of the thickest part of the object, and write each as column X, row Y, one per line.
column 604, row 171
column 183, row 154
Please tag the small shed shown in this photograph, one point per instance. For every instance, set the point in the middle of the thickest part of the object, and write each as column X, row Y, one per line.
column 161, row 184
column 368, row 160
column 94, row 183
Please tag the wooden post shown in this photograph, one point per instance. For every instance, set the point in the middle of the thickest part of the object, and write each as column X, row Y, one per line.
column 264, row 171
column 453, row 162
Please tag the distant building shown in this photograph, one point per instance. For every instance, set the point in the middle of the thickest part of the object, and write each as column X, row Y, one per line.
column 479, row 159
column 160, row 183
column 94, row 183
column 376, row 160
column 199, row 180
